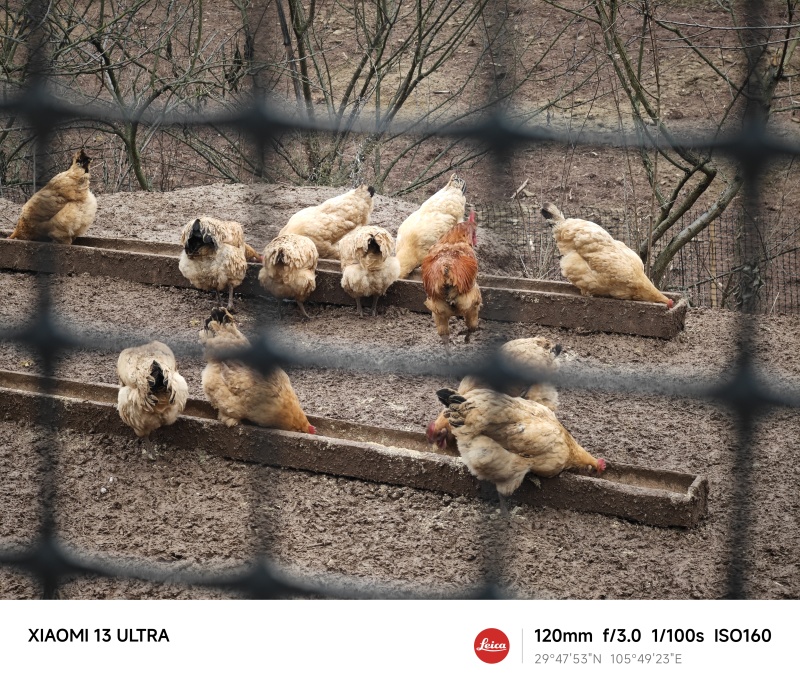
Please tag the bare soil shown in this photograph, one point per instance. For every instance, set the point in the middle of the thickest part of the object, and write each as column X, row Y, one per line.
column 189, row 509
column 261, row 209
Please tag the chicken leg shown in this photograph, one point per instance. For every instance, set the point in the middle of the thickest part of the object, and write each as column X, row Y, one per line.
column 148, row 448
column 303, row 309
column 471, row 322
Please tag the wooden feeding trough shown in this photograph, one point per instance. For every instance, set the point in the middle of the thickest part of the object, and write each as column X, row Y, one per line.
column 658, row 498
column 550, row 303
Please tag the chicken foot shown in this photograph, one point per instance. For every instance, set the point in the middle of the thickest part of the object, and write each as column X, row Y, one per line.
column 471, row 322
column 468, row 332
column 374, row 306
column 220, row 300
column 148, row 448
column 303, row 310
column 503, row 505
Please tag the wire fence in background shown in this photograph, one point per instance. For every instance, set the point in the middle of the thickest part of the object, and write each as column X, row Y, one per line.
column 707, row 269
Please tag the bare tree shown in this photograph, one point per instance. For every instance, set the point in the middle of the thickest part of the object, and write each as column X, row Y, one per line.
column 750, row 61
column 397, row 65
column 145, row 59
column 17, row 28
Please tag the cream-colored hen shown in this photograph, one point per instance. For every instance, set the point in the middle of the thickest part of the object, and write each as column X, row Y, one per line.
column 327, row 223
column 240, row 393
column 597, row 264
column 63, row 209
column 502, row 438
column 428, row 224
column 368, row 265
column 536, row 352
column 290, row 268
column 152, row 393
column 214, row 255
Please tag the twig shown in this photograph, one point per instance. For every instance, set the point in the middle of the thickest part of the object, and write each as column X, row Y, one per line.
column 520, row 188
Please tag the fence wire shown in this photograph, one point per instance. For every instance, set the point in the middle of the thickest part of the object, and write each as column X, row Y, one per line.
column 741, row 388
column 707, row 270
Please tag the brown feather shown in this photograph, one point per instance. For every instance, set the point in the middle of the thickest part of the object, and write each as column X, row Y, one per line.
column 449, row 276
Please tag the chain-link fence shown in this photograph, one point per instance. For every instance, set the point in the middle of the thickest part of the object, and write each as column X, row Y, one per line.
column 743, row 390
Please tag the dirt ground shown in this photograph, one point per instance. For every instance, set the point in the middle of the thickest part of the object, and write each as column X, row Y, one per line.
column 190, row 509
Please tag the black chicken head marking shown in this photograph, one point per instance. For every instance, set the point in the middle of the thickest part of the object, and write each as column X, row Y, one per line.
column 157, row 376
column 83, row 160
column 197, row 238
column 220, row 315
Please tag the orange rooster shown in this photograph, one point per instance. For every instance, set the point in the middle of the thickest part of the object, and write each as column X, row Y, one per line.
column 597, row 264
column 449, row 276
column 502, row 438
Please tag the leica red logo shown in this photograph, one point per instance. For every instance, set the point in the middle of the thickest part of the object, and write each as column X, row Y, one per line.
column 491, row 646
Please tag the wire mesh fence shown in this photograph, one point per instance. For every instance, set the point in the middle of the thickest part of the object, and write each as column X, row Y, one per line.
column 709, row 270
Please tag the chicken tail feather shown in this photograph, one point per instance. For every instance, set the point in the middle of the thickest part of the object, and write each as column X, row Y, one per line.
column 551, row 213
column 251, row 255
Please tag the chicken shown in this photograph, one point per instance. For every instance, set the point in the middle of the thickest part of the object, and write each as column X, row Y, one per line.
column 152, row 392
column 63, row 209
column 329, row 222
column 449, row 277
column 426, row 226
column 537, row 352
column 240, row 393
column 597, row 264
column 214, row 255
column 368, row 265
column 290, row 266
column 502, row 438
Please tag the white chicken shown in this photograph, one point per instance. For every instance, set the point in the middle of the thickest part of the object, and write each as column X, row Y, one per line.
column 535, row 352
column 290, row 269
column 327, row 223
column 598, row 264
column 63, row 209
column 214, row 255
column 239, row 392
column 502, row 438
column 152, row 393
column 426, row 226
column 368, row 265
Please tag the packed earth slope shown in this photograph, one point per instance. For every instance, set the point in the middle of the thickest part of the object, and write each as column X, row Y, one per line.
column 189, row 510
